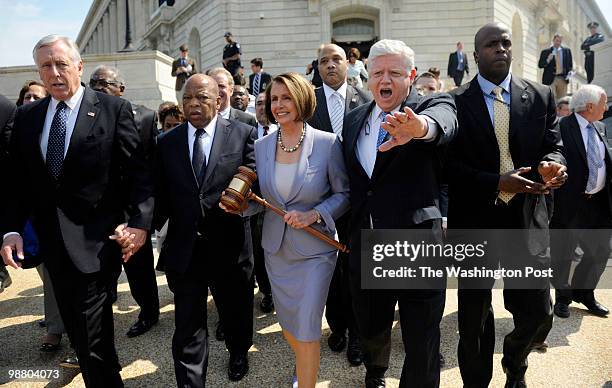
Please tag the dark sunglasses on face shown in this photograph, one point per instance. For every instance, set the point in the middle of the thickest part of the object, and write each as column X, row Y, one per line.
column 103, row 83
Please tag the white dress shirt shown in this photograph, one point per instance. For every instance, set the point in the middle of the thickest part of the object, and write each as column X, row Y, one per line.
column 74, row 105
column 209, row 136
column 225, row 113
column 366, row 143
column 260, row 129
column 601, row 171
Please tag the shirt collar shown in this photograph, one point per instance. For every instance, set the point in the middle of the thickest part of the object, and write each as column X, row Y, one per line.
column 209, row 129
column 487, row 86
column 225, row 113
column 377, row 111
column 72, row 102
column 329, row 91
column 582, row 122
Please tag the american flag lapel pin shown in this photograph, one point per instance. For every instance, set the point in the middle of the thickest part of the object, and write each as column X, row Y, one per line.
column 92, row 114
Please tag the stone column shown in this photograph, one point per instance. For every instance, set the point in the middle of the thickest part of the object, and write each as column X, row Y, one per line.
column 107, row 33
column 112, row 12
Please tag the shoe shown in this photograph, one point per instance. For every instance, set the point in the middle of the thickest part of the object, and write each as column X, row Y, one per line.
column 539, row 347
column 294, row 381
column 267, row 304
column 42, row 323
column 140, row 327
column 5, row 278
column 596, row 308
column 442, row 360
column 336, row 342
column 220, row 332
column 238, row 367
column 375, row 382
column 72, row 361
column 515, row 382
column 561, row 310
column 49, row 345
column 353, row 351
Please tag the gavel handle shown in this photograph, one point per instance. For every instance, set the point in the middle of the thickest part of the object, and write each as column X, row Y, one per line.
column 309, row 229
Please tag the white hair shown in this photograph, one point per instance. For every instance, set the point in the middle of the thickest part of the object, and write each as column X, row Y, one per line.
column 50, row 39
column 388, row 47
column 587, row 94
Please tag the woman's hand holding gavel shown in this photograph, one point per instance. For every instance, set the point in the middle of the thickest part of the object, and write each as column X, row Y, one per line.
column 222, row 206
column 300, row 220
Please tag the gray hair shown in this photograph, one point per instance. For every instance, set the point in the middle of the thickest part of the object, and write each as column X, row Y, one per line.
column 219, row 70
column 564, row 101
column 388, row 46
column 50, row 39
column 587, row 94
column 111, row 69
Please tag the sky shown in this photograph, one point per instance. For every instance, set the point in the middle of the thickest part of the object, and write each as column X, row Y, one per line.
column 23, row 22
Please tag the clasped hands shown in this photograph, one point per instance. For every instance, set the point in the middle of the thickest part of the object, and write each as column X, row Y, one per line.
column 553, row 174
column 403, row 127
column 129, row 239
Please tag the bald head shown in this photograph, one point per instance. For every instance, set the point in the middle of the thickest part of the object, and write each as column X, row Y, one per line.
column 201, row 100
column 333, row 65
column 486, row 30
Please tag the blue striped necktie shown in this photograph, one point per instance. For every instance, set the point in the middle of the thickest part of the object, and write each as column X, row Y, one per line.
column 594, row 159
column 381, row 131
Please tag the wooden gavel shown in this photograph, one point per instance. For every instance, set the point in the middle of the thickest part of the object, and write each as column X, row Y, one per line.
column 239, row 192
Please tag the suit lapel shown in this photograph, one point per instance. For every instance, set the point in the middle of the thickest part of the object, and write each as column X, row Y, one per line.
column 521, row 99
column 478, row 108
column 351, row 97
column 322, row 111
column 298, row 180
column 222, row 131
column 576, row 136
column 352, row 135
column 88, row 114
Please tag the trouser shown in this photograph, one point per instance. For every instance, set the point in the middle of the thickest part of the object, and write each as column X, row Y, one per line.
column 141, row 277
column 458, row 78
column 53, row 319
column 559, row 87
column 258, row 255
column 591, row 230
column 589, row 65
column 84, row 303
column 234, row 299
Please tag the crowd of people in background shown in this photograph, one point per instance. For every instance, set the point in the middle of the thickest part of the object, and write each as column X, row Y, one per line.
column 121, row 169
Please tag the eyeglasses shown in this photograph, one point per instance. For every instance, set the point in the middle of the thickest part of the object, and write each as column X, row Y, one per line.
column 103, row 83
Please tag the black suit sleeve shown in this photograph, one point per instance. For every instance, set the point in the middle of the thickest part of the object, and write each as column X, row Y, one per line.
column 136, row 171
column 542, row 63
column 441, row 109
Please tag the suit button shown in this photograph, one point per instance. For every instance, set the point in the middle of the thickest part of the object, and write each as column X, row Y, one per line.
column 370, row 193
column 201, row 196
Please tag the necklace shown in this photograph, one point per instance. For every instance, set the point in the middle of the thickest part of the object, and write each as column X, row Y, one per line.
column 279, row 140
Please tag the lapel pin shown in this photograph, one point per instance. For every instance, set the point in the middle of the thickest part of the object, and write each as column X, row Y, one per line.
column 524, row 96
column 92, row 114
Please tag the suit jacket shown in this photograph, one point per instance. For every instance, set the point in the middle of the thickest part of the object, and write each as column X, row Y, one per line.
column 238, row 115
column 550, row 68
column 7, row 114
column 404, row 188
column 320, row 183
column 473, row 156
column 354, row 98
column 181, row 78
column 146, row 123
column 191, row 209
column 104, row 176
column 568, row 197
column 263, row 82
column 453, row 62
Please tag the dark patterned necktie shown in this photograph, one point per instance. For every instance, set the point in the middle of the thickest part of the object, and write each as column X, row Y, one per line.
column 265, row 128
column 57, row 140
column 198, row 159
column 256, row 84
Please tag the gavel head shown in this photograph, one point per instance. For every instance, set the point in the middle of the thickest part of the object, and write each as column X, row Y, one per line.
column 237, row 193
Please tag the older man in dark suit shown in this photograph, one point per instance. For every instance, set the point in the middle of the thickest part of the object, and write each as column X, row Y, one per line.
column 205, row 247
column 390, row 147
column 77, row 165
column 506, row 156
column 583, row 206
column 334, row 100
column 140, row 269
